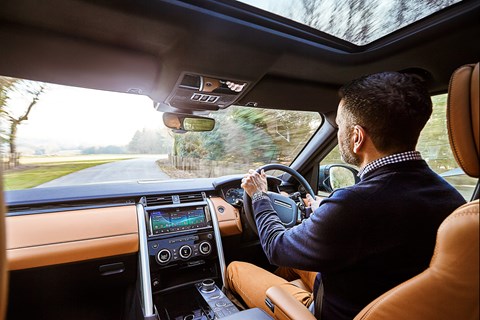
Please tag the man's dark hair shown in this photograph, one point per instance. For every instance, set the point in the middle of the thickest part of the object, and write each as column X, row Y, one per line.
column 392, row 107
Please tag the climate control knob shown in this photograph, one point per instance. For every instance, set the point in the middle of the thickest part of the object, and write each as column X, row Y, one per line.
column 163, row 256
column 205, row 248
column 185, row 251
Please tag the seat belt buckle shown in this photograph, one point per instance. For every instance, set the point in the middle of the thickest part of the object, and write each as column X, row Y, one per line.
column 270, row 304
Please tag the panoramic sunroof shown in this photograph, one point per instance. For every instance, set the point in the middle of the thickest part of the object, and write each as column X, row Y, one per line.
column 357, row 21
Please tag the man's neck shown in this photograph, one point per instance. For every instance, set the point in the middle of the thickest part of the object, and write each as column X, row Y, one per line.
column 372, row 156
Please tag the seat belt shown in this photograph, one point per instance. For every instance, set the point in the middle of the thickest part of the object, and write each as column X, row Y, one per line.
column 476, row 192
column 318, row 301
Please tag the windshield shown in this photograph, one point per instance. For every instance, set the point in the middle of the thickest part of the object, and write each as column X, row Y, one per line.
column 59, row 136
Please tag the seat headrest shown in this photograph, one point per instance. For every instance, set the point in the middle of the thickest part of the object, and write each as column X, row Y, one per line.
column 463, row 118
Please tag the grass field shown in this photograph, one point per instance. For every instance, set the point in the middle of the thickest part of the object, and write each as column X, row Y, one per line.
column 38, row 170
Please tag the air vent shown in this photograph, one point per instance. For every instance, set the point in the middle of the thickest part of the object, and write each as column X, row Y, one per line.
column 161, row 200
column 192, row 197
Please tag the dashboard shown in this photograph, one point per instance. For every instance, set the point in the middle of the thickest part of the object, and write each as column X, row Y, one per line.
column 79, row 196
column 76, row 215
column 173, row 230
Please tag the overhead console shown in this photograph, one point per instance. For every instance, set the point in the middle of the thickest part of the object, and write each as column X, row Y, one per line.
column 194, row 92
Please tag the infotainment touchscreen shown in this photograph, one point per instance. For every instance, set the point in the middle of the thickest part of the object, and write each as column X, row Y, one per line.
column 171, row 220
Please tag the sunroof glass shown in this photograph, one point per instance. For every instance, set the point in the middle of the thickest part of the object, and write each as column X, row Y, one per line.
column 356, row 21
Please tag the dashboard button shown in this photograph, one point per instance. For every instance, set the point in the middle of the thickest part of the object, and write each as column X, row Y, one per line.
column 205, row 248
column 163, row 256
column 185, row 252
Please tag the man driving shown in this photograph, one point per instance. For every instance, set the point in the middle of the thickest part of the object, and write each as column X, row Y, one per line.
column 365, row 239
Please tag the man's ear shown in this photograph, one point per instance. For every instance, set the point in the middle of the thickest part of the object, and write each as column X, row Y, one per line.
column 359, row 137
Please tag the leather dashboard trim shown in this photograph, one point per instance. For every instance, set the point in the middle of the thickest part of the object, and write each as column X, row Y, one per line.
column 61, row 237
column 228, row 220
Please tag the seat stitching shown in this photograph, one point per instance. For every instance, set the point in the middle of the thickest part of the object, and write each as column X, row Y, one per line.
column 393, row 291
column 453, row 139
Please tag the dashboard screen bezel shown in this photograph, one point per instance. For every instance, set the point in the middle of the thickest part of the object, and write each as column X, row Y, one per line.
column 182, row 210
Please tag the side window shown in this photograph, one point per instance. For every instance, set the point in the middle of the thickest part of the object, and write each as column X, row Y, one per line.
column 435, row 149
column 434, row 146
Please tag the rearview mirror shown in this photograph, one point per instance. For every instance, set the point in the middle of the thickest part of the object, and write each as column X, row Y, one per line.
column 180, row 122
column 336, row 176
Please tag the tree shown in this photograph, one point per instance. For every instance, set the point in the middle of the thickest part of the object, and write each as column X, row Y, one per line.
column 433, row 141
column 249, row 134
column 6, row 85
column 149, row 141
column 15, row 121
column 110, row 149
column 30, row 91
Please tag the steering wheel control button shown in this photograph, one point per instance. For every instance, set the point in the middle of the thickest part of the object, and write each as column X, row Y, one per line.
column 185, row 251
column 164, row 256
column 205, row 248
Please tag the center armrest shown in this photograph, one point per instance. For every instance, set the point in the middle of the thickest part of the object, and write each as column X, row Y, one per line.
column 286, row 307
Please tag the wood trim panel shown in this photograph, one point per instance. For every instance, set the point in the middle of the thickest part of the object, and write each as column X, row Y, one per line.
column 228, row 217
column 61, row 237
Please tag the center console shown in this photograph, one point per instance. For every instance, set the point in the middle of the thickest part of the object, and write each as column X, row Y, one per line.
column 183, row 264
column 181, row 246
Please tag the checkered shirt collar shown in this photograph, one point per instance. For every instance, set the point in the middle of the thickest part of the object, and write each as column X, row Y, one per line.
column 394, row 158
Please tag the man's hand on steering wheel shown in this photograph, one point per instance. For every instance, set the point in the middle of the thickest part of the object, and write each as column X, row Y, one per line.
column 286, row 208
column 313, row 203
column 254, row 182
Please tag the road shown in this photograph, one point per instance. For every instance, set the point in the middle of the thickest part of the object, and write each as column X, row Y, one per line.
column 131, row 169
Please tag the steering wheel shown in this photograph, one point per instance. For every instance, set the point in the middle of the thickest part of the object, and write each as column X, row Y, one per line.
column 286, row 208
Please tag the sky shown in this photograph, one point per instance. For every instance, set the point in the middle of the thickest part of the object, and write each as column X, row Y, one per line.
column 69, row 118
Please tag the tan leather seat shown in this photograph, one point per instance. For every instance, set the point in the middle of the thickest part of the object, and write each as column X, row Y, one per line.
column 449, row 288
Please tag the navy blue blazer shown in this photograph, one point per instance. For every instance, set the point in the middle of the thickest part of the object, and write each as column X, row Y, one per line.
column 365, row 239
